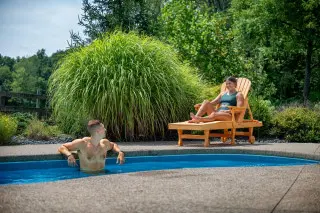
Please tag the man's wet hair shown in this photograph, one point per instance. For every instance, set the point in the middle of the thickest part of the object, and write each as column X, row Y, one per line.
column 92, row 125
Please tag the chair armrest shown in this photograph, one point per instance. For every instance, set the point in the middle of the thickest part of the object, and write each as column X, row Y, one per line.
column 236, row 109
column 197, row 108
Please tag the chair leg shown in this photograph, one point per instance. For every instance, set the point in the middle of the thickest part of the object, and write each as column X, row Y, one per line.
column 180, row 143
column 252, row 139
column 206, row 138
column 225, row 137
column 233, row 136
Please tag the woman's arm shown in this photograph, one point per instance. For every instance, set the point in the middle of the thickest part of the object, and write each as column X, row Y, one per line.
column 216, row 100
column 240, row 99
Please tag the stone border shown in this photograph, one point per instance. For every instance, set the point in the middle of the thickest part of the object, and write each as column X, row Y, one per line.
column 169, row 152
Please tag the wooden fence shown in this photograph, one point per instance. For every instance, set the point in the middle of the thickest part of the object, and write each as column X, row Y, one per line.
column 7, row 108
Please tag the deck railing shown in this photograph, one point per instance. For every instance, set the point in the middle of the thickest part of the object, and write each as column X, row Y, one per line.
column 38, row 98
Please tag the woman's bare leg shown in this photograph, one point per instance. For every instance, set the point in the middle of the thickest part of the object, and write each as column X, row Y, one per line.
column 221, row 116
column 214, row 116
column 206, row 108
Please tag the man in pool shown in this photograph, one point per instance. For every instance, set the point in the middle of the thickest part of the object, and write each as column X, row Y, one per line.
column 92, row 151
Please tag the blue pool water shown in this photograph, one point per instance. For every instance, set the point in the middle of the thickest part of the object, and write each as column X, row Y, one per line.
column 52, row 170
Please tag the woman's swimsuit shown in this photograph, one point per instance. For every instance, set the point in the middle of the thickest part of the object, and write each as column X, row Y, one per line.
column 228, row 100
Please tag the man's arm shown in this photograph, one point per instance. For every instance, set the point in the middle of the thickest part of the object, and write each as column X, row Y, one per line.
column 114, row 147
column 71, row 146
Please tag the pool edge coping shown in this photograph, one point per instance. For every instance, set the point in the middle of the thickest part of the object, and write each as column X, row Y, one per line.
column 134, row 153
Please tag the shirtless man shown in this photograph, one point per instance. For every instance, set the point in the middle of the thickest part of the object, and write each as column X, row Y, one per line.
column 92, row 151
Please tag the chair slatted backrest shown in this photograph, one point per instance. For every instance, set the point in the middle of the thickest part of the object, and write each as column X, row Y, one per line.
column 243, row 86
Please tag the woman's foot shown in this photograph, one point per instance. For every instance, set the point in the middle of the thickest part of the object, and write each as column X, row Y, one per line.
column 193, row 116
column 194, row 120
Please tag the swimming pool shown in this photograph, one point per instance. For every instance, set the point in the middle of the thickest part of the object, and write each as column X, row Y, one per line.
column 25, row 172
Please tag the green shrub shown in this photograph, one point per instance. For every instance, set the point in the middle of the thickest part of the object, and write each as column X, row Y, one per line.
column 262, row 110
column 39, row 130
column 316, row 107
column 23, row 120
column 314, row 96
column 297, row 124
column 209, row 92
column 134, row 85
column 288, row 103
column 8, row 128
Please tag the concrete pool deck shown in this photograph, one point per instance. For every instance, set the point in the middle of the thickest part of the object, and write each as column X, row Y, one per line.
column 242, row 189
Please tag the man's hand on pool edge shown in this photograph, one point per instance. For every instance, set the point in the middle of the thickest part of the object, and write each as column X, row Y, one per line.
column 120, row 158
column 72, row 161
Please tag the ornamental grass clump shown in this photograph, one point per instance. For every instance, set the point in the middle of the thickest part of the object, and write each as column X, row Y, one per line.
column 134, row 85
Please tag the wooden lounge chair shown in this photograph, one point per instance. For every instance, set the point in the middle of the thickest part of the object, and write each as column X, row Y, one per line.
column 229, row 127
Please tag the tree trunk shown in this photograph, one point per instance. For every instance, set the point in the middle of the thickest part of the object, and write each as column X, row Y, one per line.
column 307, row 76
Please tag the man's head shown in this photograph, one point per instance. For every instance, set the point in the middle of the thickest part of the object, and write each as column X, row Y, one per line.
column 95, row 127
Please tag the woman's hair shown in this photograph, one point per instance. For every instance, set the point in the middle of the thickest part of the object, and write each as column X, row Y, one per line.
column 232, row 79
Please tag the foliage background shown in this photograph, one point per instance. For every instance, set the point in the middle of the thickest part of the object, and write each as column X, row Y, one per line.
column 275, row 43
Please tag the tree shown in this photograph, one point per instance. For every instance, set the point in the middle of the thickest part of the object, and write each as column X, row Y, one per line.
column 202, row 38
column 283, row 37
column 57, row 57
column 5, row 78
column 23, row 81
column 31, row 74
column 105, row 16
column 44, row 65
column 7, row 61
column 216, row 5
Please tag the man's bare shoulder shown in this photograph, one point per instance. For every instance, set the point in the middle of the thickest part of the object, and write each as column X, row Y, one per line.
column 107, row 143
column 78, row 140
column 75, row 144
column 85, row 139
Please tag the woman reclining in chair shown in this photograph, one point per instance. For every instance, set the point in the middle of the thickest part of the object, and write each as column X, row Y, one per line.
column 228, row 98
